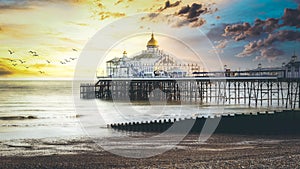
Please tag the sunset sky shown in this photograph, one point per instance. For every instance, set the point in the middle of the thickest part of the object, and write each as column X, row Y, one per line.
column 44, row 38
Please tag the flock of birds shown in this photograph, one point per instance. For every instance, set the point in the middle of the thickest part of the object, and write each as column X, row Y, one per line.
column 15, row 62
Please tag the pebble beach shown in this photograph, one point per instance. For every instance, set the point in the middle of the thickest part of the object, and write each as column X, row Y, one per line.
column 219, row 151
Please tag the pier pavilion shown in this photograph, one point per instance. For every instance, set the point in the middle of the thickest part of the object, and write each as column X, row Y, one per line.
column 152, row 62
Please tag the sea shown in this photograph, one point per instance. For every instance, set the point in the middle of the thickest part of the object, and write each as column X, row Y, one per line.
column 48, row 117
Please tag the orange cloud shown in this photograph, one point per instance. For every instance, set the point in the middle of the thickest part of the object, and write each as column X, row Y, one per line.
column 14, row 30
column 105, row 15
column 4, row 71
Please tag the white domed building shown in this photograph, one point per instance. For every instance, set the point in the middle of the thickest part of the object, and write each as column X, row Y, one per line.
column 151, row 62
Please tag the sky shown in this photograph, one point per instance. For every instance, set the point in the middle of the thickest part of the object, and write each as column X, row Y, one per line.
column 45, row 38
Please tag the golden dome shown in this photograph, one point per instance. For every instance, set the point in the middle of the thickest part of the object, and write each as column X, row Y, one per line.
column 152, row 42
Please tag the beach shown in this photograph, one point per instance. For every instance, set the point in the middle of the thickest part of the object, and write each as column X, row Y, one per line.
column 219, row 151
column 47, row 131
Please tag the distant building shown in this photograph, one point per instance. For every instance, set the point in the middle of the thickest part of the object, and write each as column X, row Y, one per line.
column 151, row 62
column 289, row 70
column 292, row 69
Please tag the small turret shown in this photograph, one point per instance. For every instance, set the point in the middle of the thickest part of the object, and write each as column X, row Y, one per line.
column 294, row 58
column 259, row 66
column 124, row 54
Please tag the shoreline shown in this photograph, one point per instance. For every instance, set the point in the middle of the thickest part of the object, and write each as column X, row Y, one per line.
column 220, row 151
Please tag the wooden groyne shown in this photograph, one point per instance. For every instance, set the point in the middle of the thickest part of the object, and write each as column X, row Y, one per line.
column 285, row 122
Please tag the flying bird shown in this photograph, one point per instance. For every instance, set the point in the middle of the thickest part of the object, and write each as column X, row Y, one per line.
column 33, row 53
column 41, row 72
column 67, row 60
column 72, row 58
column 11, row 60
column 26, row 67
column 14, row 64
column 11, row 52
column 62, row 62
column 75, row 50
column 47, row 61
column 21, row 61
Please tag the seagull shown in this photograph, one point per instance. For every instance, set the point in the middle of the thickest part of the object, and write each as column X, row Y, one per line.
column 21, row 61
column 75, row 50
column 47, row 61
column 62, row 62
column 33, row 53
column 67, row 60
column 11, row 60
column 11, row 52
column 26, row 67
column 72, row 58
column 14, row 64
column 42, row 72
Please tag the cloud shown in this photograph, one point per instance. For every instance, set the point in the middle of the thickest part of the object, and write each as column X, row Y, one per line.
column 168, row 4
column 291, row 17
column 269, row 54
column 241, row 31
column 215, row 33
column 197, row 23
column 14, row 30
column 249, row 49
column 191, row 15
column 191, row 12
column 5, row 72
column 193, row 23
column 121, row 1
column 100, row 5
column 284, row 35
column 188, row 15
column 265, row 34
column 105, row 14
column 69, row 40
column 118, row 2
column 28, row 4
column 239, row 37
column 280, row 36
column 78, row 23
column 151, row 16
column 236, row 29
column 222, row 44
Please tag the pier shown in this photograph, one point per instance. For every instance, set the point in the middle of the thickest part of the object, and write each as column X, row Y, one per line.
column 273, row 92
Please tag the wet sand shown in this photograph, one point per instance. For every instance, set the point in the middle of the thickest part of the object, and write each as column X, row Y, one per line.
column 220, row 151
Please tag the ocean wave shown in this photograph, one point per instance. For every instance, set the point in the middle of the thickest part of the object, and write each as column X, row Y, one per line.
column 70, row 124
column 36, row 117
column 17, row 117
